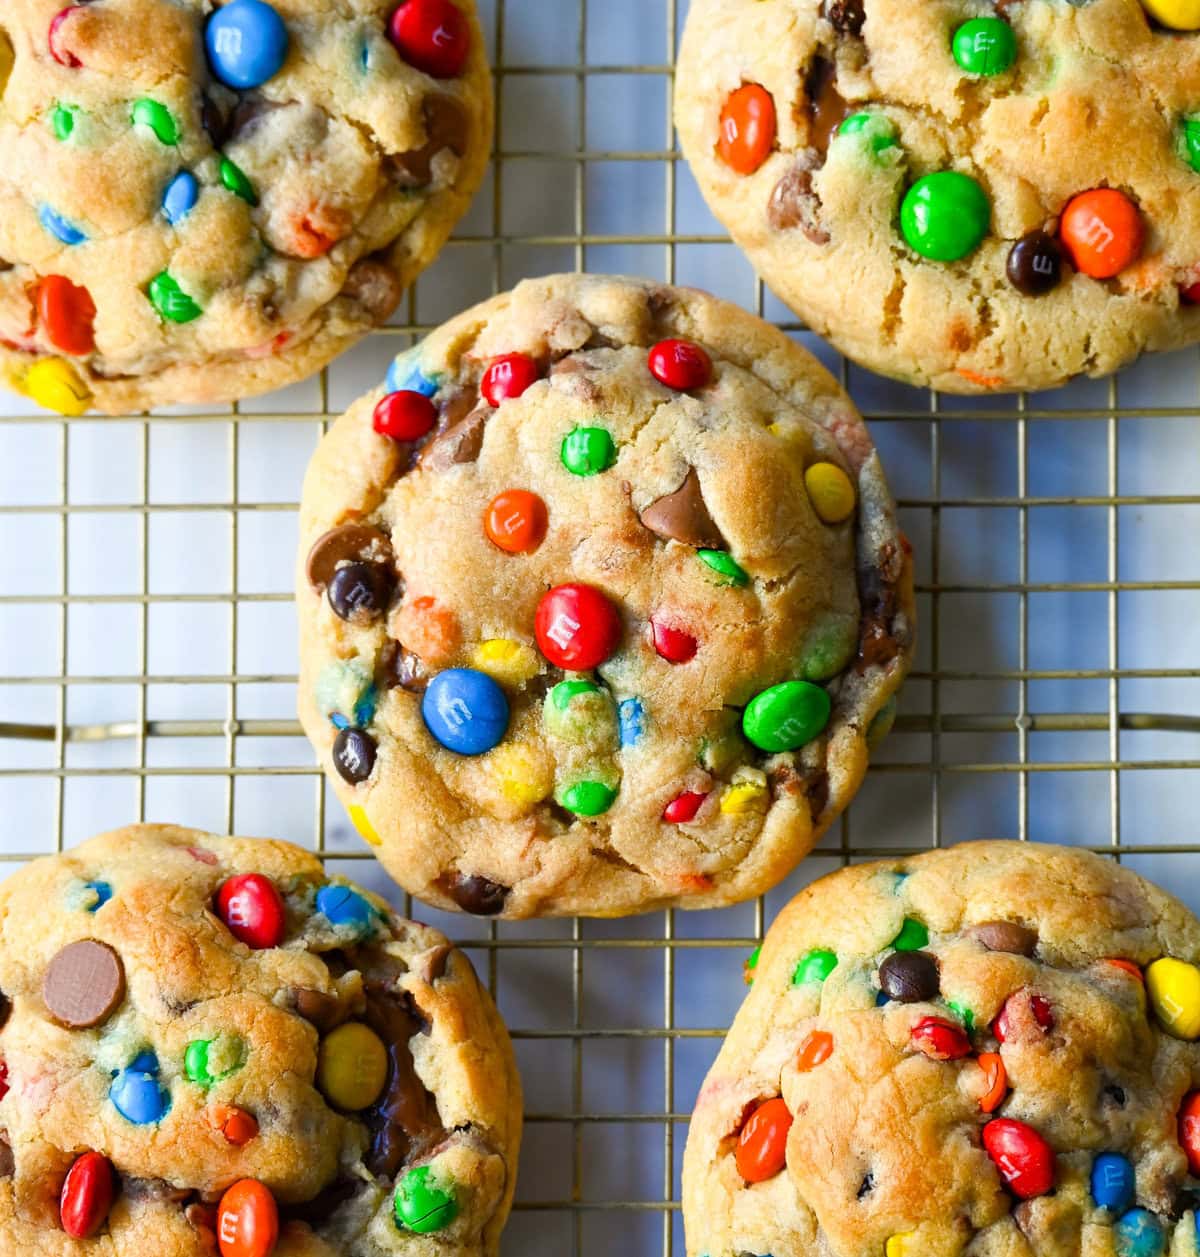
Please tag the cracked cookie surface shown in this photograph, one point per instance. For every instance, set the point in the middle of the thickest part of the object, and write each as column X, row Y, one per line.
column 199, row 203
column 989, row 1050
column 601, row 601
column 972, row 197
column 208, row 1042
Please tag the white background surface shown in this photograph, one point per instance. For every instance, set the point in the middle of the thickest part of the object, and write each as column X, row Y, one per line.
column 149, row 564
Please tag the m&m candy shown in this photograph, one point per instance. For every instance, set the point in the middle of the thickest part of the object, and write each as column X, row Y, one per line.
column 466, row 711
column 587, row 798
column 945, row 216
column 136, row 1093
column 157, row 118
column 683, row 807
column 404, row 415
column 724, row 566
column 423, row 1203
column 814, row 966
column 1102, row 231
column 341, row 905
column 762, row 1145
column 830, row 492
column 61, row 228
column 516, row 521
column 63, row 121
column 87, row 1195
column 576, row 627
column 67, row 313
column 1177, row 15
column 247, row 1220
column 680, row 364
column 235, row 179
column 675, row 645
column 1189, row 137
column 1188, row 1126
column 816, row 1049
column 1014, row 1012
column 588, row 451
column 179, row 197
column 985, row 46
column 101, row 893
column 748, row 126
column 912, row 937
column 1025, row 1160
column 352, row 1066
column 940, row 1040
column 1112, row 1182
column 207, row 1061
column 252, row 910
column 56, row 385
column 55, row 38
column 909, row 977
column 786, row 716
column 169, row 299
column 995, row 1081
column 247, row 43
column 1173, row 987
column 234, row 1123
column 507, row 377
column 1034, row 265
column 432, row 35
column 1139, row 1233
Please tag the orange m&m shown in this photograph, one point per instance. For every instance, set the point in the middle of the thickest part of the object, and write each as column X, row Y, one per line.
column 1102, row 231
column 996, row 1078
column 762, row 1145
column 247, row 1220
column 816, row 1049
column 515, row 521
column 67, row 312
column 747, row 129
column 238, row 1126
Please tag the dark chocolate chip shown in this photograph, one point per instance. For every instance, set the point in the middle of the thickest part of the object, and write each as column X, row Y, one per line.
column 323, row 1205
column 447, row 126
column 5, row 1009
column 847, row 17
column 408, row 671
column 1035, row 264
column 374, row 285
column 910, row 977
column 1005, row 936
column 345, row 544
column 358, row 592
column 215, row 121
column 826, row 107
column 84, row 984
column 324, row 1011
column 248, row 112
column 354, row 755
column 795, row 205
column 459, row 443
column 683, row 516
column 867, row 1186
column 478, row 895
column 7, row 1164
column 1114, row 1095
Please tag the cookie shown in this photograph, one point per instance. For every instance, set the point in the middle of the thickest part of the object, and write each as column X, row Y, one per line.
column 987, row 1050
column 972, row 197
column 208, row 1046
column 601, row 599
column 201, row 203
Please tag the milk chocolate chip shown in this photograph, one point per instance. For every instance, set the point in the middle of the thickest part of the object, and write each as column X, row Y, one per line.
column 1005, row 936
column 478, row 895
column 795, row 204
column 375, row 286
column 345, row 544
column 84, row 984
column 683, row 516
column 459, row 443
column 446, row 125
column 826, row 108
column 324, row 1011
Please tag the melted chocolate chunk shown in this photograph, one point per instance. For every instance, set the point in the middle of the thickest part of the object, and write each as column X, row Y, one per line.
column 346, row 543
column 847, row 17
column 324, row 1011
column 877, row 646
column 826, row 107
column 215, row 121
column 323, row 1205
column 683, row 516
column 459, row 443
column 374, row 285
column 477, row 895
column 7, row 1164
column 404, row 1121
column 794, row 204
column 446, row 125
column 867, row 1186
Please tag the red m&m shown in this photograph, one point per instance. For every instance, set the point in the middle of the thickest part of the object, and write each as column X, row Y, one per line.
column 680, row 364
column 1013, row 1015
column 672, row 644
column 252, row 909
column 940, row 1040
column 683, row 807
column 508, row 377
column 404, row 416
column 54, row 38
column 762, row 1146
column 87, row 1195
column 247, row 1220
column 432, row 35
column 1025, row 1160
column 67, row 312
column 576, row 627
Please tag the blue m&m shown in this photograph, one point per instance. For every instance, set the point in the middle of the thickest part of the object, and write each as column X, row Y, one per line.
column 465, row 710
column 247, row 43
column 342, row 906
column 1112, row 1182
column 1140, row 1234
column 180, row 197
column 136, row 1093
column 405, row 376
column 60, row 228
column 101, row 894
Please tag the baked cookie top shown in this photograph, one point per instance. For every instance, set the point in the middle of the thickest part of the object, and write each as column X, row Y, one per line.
column 986, row 1050
column 208, row 1044
column 970, row 196
column 600, row 599
column 201, row 202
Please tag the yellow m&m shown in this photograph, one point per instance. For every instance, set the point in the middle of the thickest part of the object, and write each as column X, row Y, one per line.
column 1174, row 990
column 830, row 491
column 747, row 792
column 506, row 661
column 900, row 1245
column 1179, row 15
column 362, row 822
column 524, row 776
column 55, row 384
column 352, row 1066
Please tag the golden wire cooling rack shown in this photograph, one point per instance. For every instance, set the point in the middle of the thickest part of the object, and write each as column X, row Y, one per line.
column 148, row 641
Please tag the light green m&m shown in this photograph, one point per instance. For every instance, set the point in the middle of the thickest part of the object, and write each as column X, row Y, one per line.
column 945, row 216
column 875, row 127
column 421, row 1205
column 588, row 451
column 814, row 966
column 786, row 716
column 985, row 45
column 171, row 302
column 580, row 711
column 207, row 1061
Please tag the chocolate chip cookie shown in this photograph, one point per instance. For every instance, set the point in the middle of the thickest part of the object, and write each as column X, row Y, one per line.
column 973, row 197
column 991, row 1050
column 602, row 599
column 201, row 202
column 207, row 1045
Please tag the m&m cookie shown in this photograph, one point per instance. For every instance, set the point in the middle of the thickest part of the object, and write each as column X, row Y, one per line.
column 201, row 201
column 976, row 198
column 211, row 1048
column 602, row 599
column 991, row 1050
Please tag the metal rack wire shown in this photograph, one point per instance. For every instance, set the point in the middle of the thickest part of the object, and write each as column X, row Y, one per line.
column 1033, row 712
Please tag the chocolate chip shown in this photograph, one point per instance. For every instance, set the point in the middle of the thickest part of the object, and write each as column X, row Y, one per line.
column 344, row 544
column 847, row 17
column 794, row 203
column 203, row 1220
column 354, row 755
column 323, row 1205
column 866, row 1186
column 324, row 1011
column 447, row 126
column 478, row 895
column 84, row 984
column 374, row 286
column 683, row 516
column 1114, row 1095
column 1035, row 264
column 826, row 107
column 409, row 672
column 7, row 1164
column 359, row 592
column 248, row 112
column 911, row 977
column 878, row 600
column 459, row 443
column 215, row 121
column 5, row 1009
column 1005, row 936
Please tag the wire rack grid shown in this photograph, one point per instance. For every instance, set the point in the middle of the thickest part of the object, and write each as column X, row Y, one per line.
column 148, row 639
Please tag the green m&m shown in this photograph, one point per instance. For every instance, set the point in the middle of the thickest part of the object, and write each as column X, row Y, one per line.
column 588, row 451
column 587, row 798
column 786, row 716
column 234, row 178
column 945, row 216
column 62, row 121
column 171, row 302
column 985, row 45
column 421, row 1205
column 876, row 127
column 814, row 966
column 156, row 116
column 912, row 937
column 1189, row 134
column 725, row 566
column 207, row 1061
